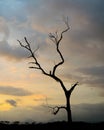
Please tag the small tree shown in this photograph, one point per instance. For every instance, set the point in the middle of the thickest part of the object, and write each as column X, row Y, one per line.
column 56, row 39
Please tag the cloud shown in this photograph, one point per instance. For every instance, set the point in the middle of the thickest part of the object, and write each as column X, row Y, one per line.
column 12, row 102
column 8, row 90
column 7, row 50
column 12, row 53
column 80, row 112
column 95, row 71
column 93, row 76
column 86, row 36
column 88, row 112
column 85, row 17
column 4, row 30
column 84, row 41
column 82, row 44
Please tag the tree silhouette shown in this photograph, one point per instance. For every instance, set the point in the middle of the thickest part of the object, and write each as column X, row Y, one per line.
column 56, row 39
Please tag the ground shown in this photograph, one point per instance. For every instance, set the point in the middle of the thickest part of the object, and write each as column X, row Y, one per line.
column 53, row 125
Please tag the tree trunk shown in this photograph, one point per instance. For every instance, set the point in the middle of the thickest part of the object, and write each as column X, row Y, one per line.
column 68, row 108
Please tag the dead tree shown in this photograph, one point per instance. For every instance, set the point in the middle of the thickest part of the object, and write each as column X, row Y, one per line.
column 56, row 39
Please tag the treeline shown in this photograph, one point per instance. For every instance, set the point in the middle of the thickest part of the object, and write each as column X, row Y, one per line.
column 51, row 125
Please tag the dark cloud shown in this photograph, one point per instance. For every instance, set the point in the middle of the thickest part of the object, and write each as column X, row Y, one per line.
column 10, row 52
column 95, row 12
column 95, row 71
column 88, row 112
column 92, row 75
column 8, row 90
column 12, row 102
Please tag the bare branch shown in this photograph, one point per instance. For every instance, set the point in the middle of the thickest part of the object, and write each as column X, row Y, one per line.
column 32, row 55
column 28, row 44
column 24, row 46
column 56, row 109
column 67, row 28
column 55, row 38
column 32, row 63
column 73, row 87
column 31, row 67
column 60, row 63
column 29, row 56
column 36, row 49
column 56, row 34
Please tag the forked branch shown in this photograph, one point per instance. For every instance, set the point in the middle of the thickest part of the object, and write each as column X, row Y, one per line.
column 57, row 39
column 72, row 88
column 32, row 55
column 56, row 109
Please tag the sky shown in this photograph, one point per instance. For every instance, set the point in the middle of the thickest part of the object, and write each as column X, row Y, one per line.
column 26, row 93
